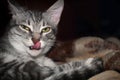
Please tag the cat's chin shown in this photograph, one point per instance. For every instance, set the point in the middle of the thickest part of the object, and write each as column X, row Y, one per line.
column 34, row 53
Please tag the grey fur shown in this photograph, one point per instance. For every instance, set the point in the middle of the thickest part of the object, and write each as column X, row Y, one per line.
column 36, row 21
column 18, row 60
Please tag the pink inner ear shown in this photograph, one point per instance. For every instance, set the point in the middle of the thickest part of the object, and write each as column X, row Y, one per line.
column 56, row 15
column 55, row 18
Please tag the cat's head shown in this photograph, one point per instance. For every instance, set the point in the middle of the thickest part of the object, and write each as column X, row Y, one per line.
column 34, row 32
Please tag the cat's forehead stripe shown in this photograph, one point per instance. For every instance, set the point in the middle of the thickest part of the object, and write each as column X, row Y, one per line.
column 36, row 17
column 42, row 23
column 36, row 21
column 33, row 15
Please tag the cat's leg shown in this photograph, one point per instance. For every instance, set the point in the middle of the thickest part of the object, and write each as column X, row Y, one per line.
column 81, row 70
column 14, row 70
column 37, row 72
column 9, row 70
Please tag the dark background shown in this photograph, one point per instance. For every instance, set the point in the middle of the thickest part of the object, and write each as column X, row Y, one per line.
column 79, row 18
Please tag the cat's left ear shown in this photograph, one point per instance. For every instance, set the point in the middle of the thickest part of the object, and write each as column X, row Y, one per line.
column 53, row 14
column 15, row 9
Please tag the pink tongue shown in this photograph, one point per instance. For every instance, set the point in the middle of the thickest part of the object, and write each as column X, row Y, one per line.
column 36, row 46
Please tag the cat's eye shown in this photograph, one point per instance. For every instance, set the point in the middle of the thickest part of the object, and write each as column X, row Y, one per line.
column 25, row 27
column 47, row 29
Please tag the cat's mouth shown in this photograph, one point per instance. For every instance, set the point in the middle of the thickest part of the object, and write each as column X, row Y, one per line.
column 36, row 46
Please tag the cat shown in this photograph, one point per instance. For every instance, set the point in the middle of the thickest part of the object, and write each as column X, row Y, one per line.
column 30, row 35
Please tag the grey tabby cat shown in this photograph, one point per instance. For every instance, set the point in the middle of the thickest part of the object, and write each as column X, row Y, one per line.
column 30, row 36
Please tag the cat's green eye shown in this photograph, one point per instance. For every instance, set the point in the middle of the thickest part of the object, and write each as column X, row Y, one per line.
column 47, row 29
column 25, row 27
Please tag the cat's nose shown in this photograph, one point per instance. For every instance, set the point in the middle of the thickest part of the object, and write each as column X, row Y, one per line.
column 35, row 37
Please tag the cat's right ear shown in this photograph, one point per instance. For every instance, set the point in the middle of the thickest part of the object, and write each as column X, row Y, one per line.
column 53, row 14
column 15, row 9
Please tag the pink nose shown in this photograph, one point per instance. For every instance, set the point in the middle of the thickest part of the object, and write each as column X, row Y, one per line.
column 36, row 37
column 35, row 40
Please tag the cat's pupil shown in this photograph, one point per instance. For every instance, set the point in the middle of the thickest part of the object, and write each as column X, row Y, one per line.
column 47, row 29
column 25, row 27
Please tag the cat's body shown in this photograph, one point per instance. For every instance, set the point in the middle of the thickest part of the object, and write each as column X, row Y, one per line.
column 29, row 37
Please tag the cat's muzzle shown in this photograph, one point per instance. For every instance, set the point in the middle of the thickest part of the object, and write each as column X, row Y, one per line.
column 36, row 46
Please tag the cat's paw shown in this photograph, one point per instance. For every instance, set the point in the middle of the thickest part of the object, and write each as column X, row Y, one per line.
column 94, row 63
column 36, row 71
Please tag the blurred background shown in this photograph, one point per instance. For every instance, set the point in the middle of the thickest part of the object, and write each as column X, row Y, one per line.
column 80, row 17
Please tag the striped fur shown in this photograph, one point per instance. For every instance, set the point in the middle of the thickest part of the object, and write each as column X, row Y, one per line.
column 19, row 62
